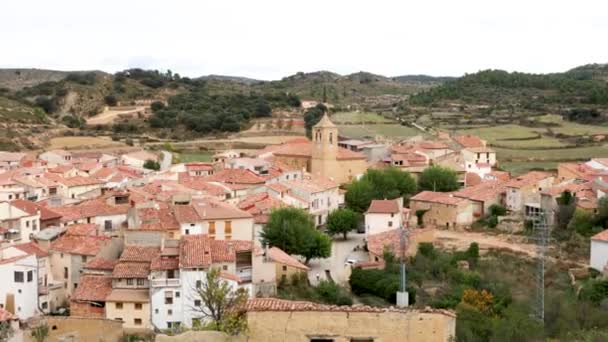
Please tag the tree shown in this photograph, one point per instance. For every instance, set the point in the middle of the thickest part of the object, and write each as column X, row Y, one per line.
column 151, row 165
column 566, row 204
column 387, row 183
column 40, row 332
column 581, row 222
column 342, row 221
column 312, row 117
column 221, row 306
column 110, row 100
column 262, row 109
column 156, row 106
column 437, row 178
column 293, row 231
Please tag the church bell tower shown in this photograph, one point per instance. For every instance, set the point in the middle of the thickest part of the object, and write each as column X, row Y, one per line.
column 324, row 148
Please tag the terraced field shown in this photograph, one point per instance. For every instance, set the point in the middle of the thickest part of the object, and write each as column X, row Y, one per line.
column 358, row 117
column 387, row 130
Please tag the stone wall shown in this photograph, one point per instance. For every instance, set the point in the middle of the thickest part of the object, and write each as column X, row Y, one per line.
column 196, row 336
column 72, row 329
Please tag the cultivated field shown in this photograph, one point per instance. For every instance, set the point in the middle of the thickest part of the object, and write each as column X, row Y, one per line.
column 358, row 117
column 577, row 153
column 387, row 130
column 187, row 157
column 83, row 143
column 521, row 167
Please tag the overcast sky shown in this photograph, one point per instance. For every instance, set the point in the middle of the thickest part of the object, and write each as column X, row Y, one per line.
column 273, row 39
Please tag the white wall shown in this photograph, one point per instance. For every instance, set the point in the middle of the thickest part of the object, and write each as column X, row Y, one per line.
column 599, row 255
column 378, row 223
column 26, row 292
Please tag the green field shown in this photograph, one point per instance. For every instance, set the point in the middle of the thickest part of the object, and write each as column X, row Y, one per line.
column 578, row 153
column 387, row 130
column 187, row 157
column 358, row 117
column 518, row 168
column 572, row 128
column 502, row 132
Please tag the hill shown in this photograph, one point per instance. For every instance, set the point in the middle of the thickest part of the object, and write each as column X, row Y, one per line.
column 237, row 79
column 16, row 79
column 423, row 78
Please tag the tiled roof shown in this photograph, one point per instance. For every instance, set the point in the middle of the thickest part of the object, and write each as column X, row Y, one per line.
column 275, row 304
column 161, row 263
column 214, row 210
column 391, row 239
column 93, row 288
column 482, row 192
column 129, row 296
column 239, row 176
column 318, row 184
column 304, row 150
column 32, row 209
column 102, row 264
column 195, row 251
column 278, row 187
column 383, row 207
column 93, row 208
column 80, row 245
column 230, row 276
column 601, row 236
column 225, row 250
column 161, row 219
column 259, row 203
column 31, row 248
column 79, row 181
column 186, row 214
column 437, row 197
column 82, row 229
column 199, row 166
column 469, row 141
column 139, row 253
column 129, row 269
column 527, row 179
column 279, row 256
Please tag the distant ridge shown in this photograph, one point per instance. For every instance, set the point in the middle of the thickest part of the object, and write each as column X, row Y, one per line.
column 423, row 78
column 238, row 79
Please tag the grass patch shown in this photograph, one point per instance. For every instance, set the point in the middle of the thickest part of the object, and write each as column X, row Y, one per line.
column 358, row 117
column 503, row 132
column 518, row 168
column 187, row 157
column 577, row 153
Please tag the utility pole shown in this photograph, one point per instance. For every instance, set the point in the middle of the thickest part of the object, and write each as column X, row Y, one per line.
column 541, row 231
column 402, row 295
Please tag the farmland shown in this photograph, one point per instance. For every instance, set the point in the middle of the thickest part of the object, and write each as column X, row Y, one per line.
column 358, row 117
column 386, row 130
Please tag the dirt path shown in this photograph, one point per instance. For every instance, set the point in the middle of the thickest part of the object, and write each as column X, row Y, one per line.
column 462, row 240
column 110, row 115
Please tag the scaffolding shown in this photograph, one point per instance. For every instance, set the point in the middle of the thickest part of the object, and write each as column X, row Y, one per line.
column 541, row 237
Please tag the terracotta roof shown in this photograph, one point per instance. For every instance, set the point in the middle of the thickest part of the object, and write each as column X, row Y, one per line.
column 572, row 187
column 304, row 150
column 239, row 176
column 195, row 251
column 139, row 253
column 469, row 141
column 186, row 214
column 260, row 203
column 527, row 179
column 279, row 256
column 93, row 288
column 437, row 197
column 160, row 219
column 129, row 296
column 225, row 250
column 161, row 263
column 92, row 208
column 383, row 207
column 32, row 208
column 129, row 269
column 278, row 187
column 230, row 276
column 102, row 264
column 212, row 210
column 275, row 304
column 80, row 245
column 79, row 181
column 482, row 192
column 82, row 229
column 31, row 248
column 199, row 166
column 391, row 239
column 601, row 236
column 317, row 184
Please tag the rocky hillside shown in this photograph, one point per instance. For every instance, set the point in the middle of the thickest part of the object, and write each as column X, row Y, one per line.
column 16, row 79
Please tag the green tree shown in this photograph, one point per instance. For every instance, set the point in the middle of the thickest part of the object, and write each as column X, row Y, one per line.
column 342, row 221
column 312, row 117
column 110, row 100
column 6, row 331
column 221, row 307
column 437, row 178
column 293, row 231
column 151, row 165
column 566, row 205
column 581, row 223
column 387, row 183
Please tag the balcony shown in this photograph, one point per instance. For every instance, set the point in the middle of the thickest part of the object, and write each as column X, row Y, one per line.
column 168, row 282
column 244, row 273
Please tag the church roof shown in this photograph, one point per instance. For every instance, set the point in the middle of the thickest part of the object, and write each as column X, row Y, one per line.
column 325, row 122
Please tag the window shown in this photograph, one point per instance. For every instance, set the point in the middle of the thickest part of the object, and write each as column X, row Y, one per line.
column 168, row 297
column 228, row 227
column 30, row 276
column 118, row 319
column 176, row 294
column 45, row 305
column 170, row 274
column 211, row 227
column 362, row 340
column 225, row 267
column 321, row 340
column 197, row 302
column 10, row 197
column 65, row 273
column 27, row 223
column 156, row 311
column 137, row 321
column 198, row 284
column 187, row 231
column 18, row 277
column 129, row 281
column 107, row 224
column 118, row 306
column 169, row 312
column 390, row 223
column 140, row 282
column 83, row 258
column 284, row 268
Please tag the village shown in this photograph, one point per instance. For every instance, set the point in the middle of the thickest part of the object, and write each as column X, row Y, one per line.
column 120, row 243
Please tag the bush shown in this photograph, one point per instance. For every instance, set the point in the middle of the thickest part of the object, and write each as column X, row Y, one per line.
column 497, row 210
column 110, row 100
column 152, row 165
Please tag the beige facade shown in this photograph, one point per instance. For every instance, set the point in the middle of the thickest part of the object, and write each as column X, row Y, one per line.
column 80, row 329
column 135, row 315
column 412, row 326
column 442, row 214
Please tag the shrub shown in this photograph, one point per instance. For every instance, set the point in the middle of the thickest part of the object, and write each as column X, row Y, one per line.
column 110, row 100
column 497, row 210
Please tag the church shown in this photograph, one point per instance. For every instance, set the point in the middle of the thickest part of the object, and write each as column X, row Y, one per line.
column 322, row 156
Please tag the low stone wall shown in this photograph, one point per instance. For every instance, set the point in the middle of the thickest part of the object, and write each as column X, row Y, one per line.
column 74, row 329
column 196, row 336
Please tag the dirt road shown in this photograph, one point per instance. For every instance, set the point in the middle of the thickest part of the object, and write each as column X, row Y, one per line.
column 108, row 116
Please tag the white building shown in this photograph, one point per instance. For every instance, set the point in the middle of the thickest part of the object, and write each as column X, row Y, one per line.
column 319, row 196
column 17, row 225
column 384, row 215
column 599, row 251
column 138, row 159
column 221, row 221
column 56, row 157
column 19, row 290
column 479, row 155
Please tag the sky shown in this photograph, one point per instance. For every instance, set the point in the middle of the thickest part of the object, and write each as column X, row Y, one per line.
column 273, row 39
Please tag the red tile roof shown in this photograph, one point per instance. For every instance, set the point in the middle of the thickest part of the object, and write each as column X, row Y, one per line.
column 129, row 269
column 194, row 251
column 467, row 141
column 162, row 263
column 93, row 288
column 32, row 209
column 391, row 239
column 437, row 197
column 79, row 181
column 483, row 191
column 102, row 264
column 31, row 248
column 80, row 245
column 383, row 207
column 186, row 214
column 601, row 236
column 304, row 150
column 238, row 176
column 139, row 253
column 225, row 250
column 82, row 229
column 280, row 257
column 529, row 178
column 209, row 209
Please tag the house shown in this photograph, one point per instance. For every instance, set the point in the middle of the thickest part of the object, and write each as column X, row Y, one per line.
column 56, row 157
column 79, row 187
column 69, row 254
column 17, row 225
column 599, row 251
column 199, row 169
column 38, row 187
column 138, row 159
column 585, row 197
column 319, row 196
column 19, row 290
column 479, row 155
column 48, row 217
column 273, row 319
column 469, row 141
column 384, row 215
column 523, row 193
column 440, row 209
column 390, row 240
column 129, row 300
column 354, row 144
column 286, row 265
column 11, row 190
column 108, row 216
column 11, row 160
column 89, row 299
column 482, row 196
